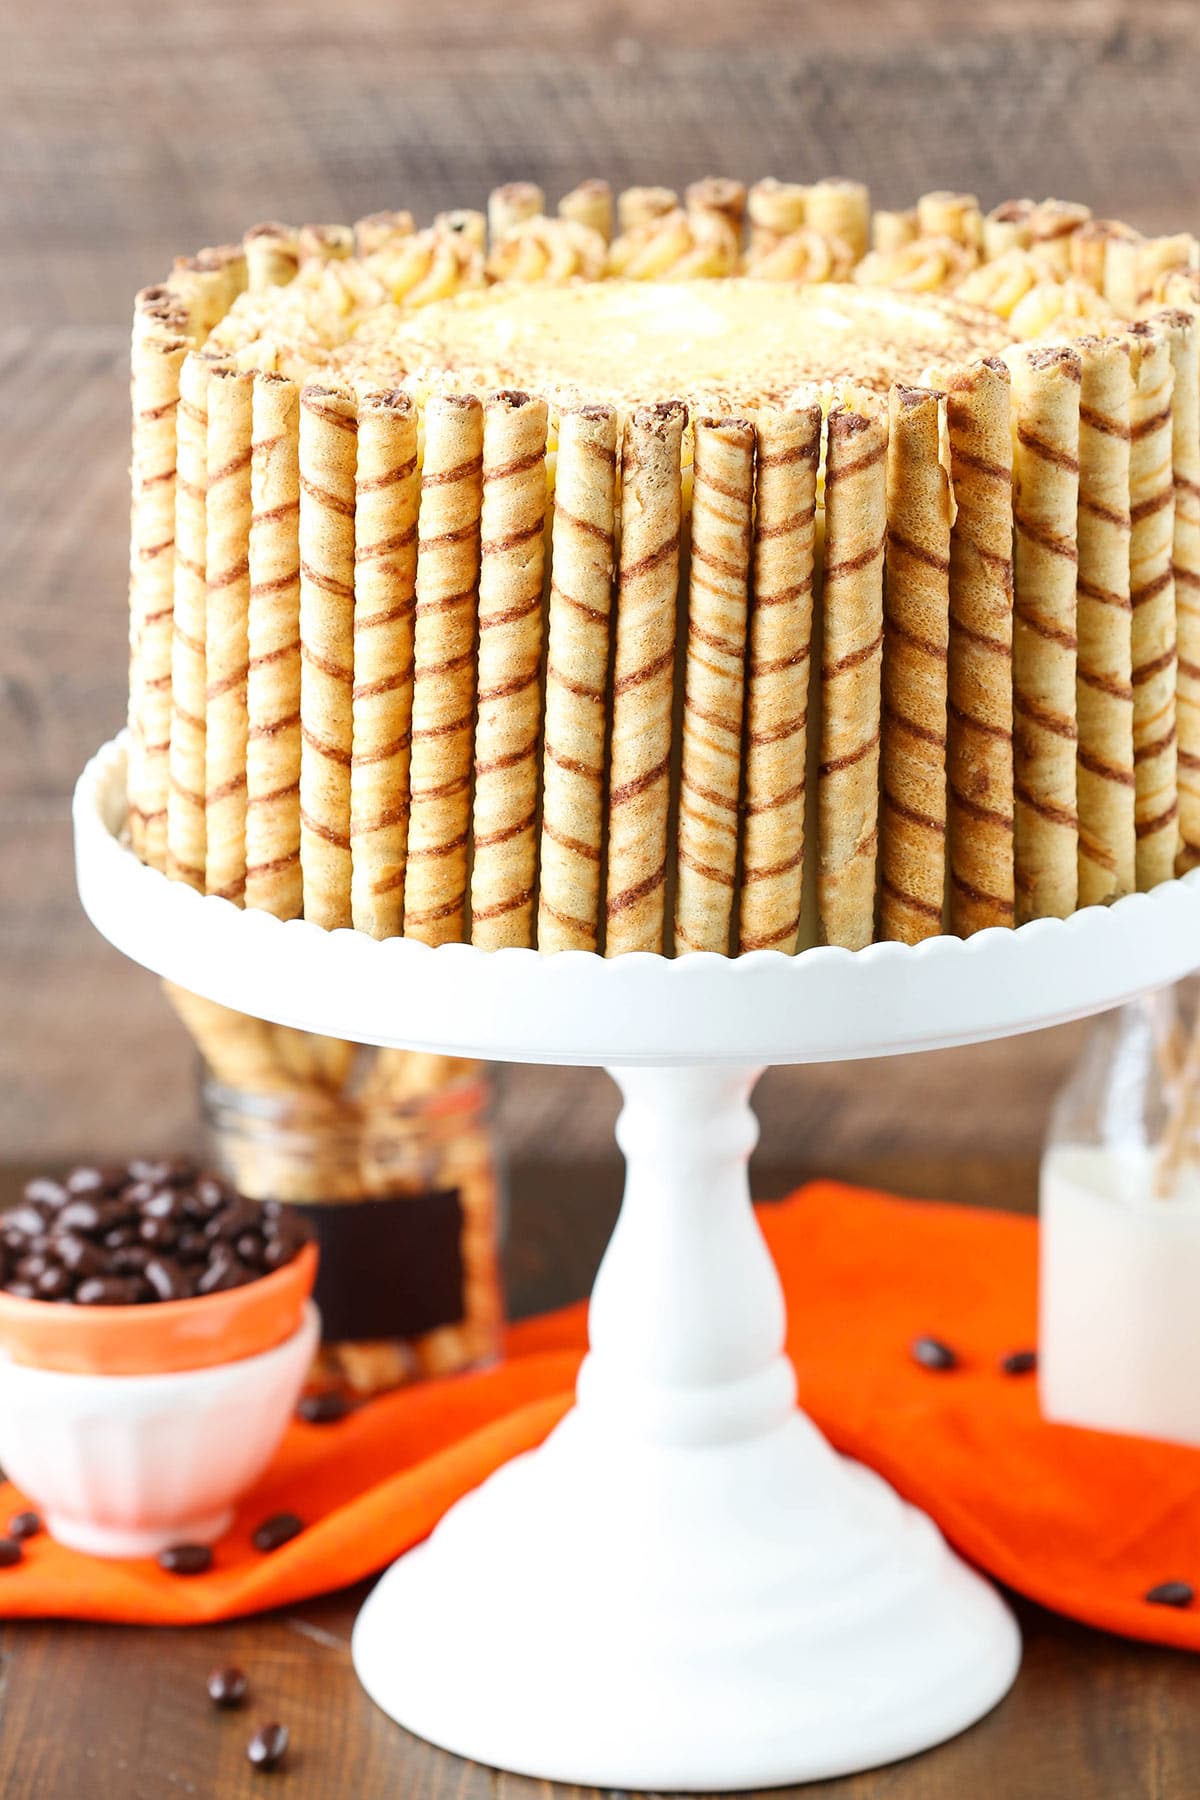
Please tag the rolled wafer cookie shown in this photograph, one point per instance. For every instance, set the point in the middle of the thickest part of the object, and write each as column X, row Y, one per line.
column 957, row 216
column 443, row 727
column 637, row 206
column 841, row 209
column 326, row 243
column 1184, row 338
column 1006, row 228
column 590, row 204
column 380, row 230
column 979, row 748
column 718, row 194
column 208, row 284
column 509, row 702
column 1152, row 591
column 508, row 205
column 893, row 230
column 1052, row 225
column 577, row 664
column 777, row 678
column 328, row 458
column 916, row 633
column 465, row 227
column 159, row 346
column 1046, row 383
column 185, row 797
column 273, row 878
column 226, row 631
column 272, row 254
column 775, row 210
column 852, row 655
column 714, row 683
column 1104, row 688
column 644, row 678
column 387, row 488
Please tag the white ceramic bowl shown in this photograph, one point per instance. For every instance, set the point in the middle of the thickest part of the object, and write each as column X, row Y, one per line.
column 123, row 1465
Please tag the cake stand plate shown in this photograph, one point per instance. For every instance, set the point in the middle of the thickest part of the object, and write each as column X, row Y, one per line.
column 684, row 1587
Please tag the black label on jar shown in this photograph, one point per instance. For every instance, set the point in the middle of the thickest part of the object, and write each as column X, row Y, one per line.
column 389, row 1268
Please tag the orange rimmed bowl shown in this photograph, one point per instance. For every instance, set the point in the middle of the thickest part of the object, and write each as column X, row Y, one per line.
column 164, row 1336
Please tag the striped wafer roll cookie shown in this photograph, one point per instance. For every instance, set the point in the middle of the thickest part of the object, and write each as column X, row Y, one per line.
column 1046, row 383
column 443, row 729
column 590, row 204
column 272, row 254
column 387, row 490
column 639, row 206
column 1104, row 687
column 581, row 568
column 1006, row 227
column 644, row 678
column 777, row 677
column 208, row 284
column 158, row 350
column 841, row 209
column 775, row 210
column 226, row 629
column 382, row 230
column 273, row 879
column 1152, row 591
column 508, row 205
column 718, row 194
column 979, row 758
column 326, row 243
column 851, row 663
column 185, row 797
column 714, row 683
column 328, row 458
column 916, row 631
column 508, row 722
column 1184, row 339
column 893, row 230
column 957, row 216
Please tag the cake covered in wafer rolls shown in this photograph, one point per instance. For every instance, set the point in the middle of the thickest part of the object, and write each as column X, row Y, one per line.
column 716, row 572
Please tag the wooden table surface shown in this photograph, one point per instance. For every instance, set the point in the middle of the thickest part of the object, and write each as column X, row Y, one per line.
column 131, row 130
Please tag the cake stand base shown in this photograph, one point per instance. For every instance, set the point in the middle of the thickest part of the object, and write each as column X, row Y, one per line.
column 685, row 1587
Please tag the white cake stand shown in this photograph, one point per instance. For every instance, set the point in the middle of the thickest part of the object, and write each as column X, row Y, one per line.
column 684, row 1588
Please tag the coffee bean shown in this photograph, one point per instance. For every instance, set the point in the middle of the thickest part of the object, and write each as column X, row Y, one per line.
column 163, row 1203
column 191, row 1246
column 30, row 1267
column 325, row 1408
column 26, row 1221
column 212, row 1192
column 108, row 1290
column 10, row 1552
column 21, row 1290
column 276, row 1531
column 54, row 1283
column 186, row 1559
column 120, row 1237
column 78, row 1254
column 250, row 1248
column 1019, row 1362
column 132, row 1259
column 162, row 1233
column 227, row 1687
column 167, row 1279
column 1171, row 1593
column 24, row 1525
column 223, row 1272
column 155, row 1170
column 86, row 1179
column 42, row 1192
column 267, row 1747
column 80, row 1215
column 931, row 1353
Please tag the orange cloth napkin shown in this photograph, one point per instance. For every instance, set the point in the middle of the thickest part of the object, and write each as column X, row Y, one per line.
column 1081, row 1521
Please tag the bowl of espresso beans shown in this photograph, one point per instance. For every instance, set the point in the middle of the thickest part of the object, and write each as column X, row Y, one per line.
column 156, row 1328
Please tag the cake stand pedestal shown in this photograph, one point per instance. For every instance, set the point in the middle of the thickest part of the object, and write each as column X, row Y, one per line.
column 684, row 1587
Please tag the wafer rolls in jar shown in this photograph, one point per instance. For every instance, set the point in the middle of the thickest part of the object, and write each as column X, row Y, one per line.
column 226, row 630
column 841, row 209
column 775, row 210
column 185, row 796
column 916, row 629
column 714, row 683
column 444, row 676
column 1152, row 591
column 577, row 666
column 1104, row 687
column 644, row 678
column 1046, row 384
column 979, row 751
column 508, row 205
column 273, row 878
column 272, row 254
column 508, row 722
column 328, row 460
column 159, row 347
column 1181, row 330
column 387, row 495
column 590, row 204
column 852, row 654
column 778, row 668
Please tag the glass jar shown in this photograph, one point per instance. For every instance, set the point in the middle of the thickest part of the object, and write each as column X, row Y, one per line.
column 396, row 1168
column 1119, row 1279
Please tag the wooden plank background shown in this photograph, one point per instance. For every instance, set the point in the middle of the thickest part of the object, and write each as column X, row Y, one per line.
column 131, row 130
